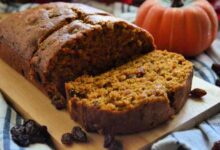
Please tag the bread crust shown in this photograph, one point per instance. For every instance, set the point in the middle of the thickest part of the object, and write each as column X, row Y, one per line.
column 8, row 55
column 182, row 93
column 28, row 29
column 141, row 118
column 28, row 45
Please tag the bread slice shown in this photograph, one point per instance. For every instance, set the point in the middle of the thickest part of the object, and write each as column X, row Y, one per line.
column 57, row 42
column 134, row 97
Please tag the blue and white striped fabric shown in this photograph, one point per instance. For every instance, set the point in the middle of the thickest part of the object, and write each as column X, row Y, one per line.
column 203, row 62
column 200, row 138
column 8, row 119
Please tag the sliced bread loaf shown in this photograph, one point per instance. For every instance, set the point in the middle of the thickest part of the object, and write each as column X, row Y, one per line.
column 134, row 97
column 57, row 42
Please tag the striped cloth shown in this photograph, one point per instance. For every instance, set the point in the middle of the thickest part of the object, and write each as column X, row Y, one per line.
column 8, row 119
column 200, row 138
column 203, row 63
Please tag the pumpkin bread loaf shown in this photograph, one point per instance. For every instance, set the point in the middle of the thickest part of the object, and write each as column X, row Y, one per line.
column 57, row 42
column 133, row 97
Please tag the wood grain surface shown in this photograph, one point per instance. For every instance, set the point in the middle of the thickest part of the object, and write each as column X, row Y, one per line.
column 3, row 15
column 31, row 103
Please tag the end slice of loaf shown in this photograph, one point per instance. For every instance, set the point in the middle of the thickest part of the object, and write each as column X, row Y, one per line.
column 134, row 97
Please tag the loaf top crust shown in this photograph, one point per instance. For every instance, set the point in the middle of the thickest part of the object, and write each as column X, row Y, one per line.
column 56, row 42
column 24, row 31
column 43, row 30
column 148, row 79
column 88, row 20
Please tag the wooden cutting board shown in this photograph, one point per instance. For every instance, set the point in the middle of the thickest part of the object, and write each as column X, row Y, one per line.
column 3, row 15
column 31, row 103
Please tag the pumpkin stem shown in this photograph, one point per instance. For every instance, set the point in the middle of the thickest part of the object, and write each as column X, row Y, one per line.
column 177, row 3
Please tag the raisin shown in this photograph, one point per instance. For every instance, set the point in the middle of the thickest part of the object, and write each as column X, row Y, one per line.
column 108, row 140
column 22, row 140
column 217, row 82
column 30, row 132
column 79, row 135
column 19, row 129
column 140, row 72
column 116, row 145
column 216, row 68
column 19, row 135
column 181, row 148
column 107, row 84
column 31, row 127
column 41, row 136
column 197, row 93
column 216, row 146
column 58, row 103
column 81, row 95
column 72, row 92
column 67, row 139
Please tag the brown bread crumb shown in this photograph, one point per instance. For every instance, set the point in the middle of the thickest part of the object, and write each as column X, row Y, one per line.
column 197, row 93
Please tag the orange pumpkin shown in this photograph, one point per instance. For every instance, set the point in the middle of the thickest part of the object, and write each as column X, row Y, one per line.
column 183, row 26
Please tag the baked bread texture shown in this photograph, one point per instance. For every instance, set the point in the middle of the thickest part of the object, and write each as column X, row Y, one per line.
column 134, row 97
column 57, row 42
